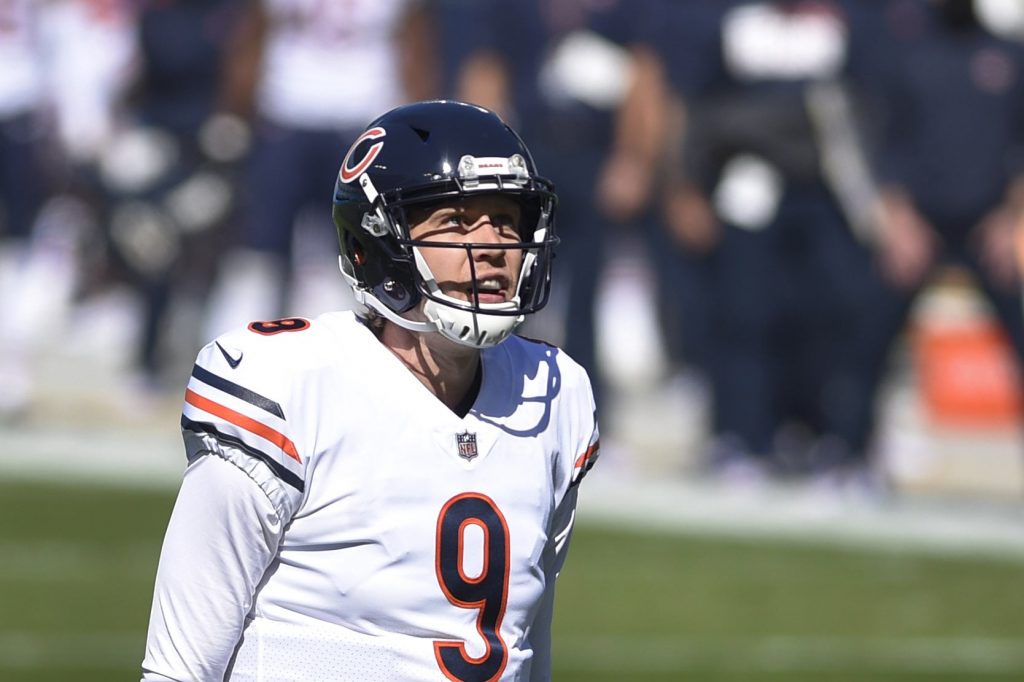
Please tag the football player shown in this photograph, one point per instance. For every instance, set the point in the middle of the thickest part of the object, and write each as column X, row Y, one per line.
column 387, row 493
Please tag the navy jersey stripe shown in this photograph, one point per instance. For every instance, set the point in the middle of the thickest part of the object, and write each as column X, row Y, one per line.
column 282, row 472
column 239, row 392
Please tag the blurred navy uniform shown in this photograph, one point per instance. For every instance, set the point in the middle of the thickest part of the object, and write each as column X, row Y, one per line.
column 308, row 76
column 559, row 69
column 952, row 186
column 21, row 98
column 783, row 265
column 23, row 186
column 168, row 218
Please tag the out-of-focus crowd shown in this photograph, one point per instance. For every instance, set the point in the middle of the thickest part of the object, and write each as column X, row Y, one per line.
column 798, row 171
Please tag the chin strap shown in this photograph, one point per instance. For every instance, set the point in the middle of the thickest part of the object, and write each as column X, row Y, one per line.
column 475, row 329
column 368, row 301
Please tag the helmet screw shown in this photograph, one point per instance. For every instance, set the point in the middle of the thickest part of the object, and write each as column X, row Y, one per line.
column 394, row 289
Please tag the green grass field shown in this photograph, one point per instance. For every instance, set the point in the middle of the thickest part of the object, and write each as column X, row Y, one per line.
column 77, row 564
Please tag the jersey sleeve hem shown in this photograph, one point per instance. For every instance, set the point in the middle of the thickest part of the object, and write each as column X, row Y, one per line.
column 283, row 494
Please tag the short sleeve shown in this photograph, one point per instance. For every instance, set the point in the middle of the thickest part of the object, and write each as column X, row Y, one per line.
column 236, row 408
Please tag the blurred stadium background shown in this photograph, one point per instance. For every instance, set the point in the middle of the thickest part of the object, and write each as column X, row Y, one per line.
column 672, row 576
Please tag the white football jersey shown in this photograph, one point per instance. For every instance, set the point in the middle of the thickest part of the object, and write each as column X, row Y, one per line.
column 395, row 540
column 330, row 63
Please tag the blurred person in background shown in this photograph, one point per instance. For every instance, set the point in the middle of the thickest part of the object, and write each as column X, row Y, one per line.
column 167, row 173
column 73, row 57
column 950, row 175
column 579, row 81
column 765, row 228
column 56, row 90
column 22, row 185
column 307, row 76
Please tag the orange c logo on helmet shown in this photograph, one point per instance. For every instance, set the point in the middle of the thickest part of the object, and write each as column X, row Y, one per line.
column 348, row 174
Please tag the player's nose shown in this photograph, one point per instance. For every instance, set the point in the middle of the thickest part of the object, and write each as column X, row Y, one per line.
column 485, row 231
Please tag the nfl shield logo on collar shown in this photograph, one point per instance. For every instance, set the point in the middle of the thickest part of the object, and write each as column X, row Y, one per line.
column 467, row 445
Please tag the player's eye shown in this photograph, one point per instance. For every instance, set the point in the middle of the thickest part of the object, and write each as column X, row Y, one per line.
column 453, row 219
column 505, row 222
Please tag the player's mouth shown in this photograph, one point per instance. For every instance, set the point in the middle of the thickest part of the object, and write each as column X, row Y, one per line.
column 490, row 290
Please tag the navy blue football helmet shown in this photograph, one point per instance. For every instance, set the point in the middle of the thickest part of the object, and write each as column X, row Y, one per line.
column 419, row 155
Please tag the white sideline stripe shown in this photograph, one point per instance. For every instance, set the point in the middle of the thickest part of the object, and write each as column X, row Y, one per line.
column 607, row 498
column 786, row 513
column 136, row 460
column 791, row 654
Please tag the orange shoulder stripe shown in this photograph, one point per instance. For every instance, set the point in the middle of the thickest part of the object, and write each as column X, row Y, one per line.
column 243, row 422
column 582, row 459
